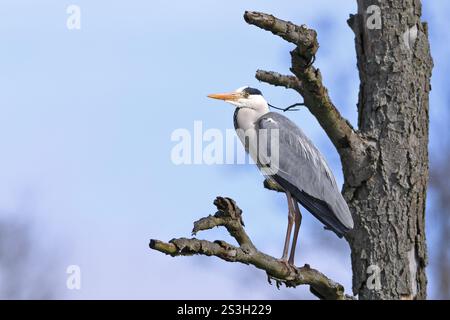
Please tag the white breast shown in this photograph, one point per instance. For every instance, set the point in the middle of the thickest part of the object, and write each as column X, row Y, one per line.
column 245, row 120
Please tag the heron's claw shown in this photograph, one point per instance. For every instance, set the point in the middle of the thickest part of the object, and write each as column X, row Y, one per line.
column 278, row 282
column 290, row 268
column 289, row 264
column 269, row 279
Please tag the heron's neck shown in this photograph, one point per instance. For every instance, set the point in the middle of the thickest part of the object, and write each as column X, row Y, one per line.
column 245, row 118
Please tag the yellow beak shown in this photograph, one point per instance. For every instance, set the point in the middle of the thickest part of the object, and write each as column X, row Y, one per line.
column 230, row 96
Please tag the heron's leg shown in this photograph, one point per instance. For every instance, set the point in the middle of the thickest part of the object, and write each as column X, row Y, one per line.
column 289, row 226
column 298, row 222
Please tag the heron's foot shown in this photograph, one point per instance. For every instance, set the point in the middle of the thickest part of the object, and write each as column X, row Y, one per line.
column 288, row 263
column 290, row 268
column 278, row 282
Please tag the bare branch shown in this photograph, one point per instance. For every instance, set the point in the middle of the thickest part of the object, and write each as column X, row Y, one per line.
column 279, row 80
column 308, row 80
column 229, row 216
column 305, row 39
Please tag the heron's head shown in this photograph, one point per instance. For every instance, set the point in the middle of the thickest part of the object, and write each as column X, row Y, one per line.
column 244, row 97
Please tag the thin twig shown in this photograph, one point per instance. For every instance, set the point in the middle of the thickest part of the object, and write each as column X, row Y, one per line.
column 289, row 108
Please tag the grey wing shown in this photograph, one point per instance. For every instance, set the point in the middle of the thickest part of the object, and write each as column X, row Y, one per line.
column 299, row 167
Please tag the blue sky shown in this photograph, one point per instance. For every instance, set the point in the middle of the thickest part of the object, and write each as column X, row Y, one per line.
column 86, row 118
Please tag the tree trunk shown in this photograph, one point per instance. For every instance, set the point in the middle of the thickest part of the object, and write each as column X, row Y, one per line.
column 387, row 194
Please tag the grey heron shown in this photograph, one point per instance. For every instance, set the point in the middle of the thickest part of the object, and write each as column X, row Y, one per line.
column 300, row 170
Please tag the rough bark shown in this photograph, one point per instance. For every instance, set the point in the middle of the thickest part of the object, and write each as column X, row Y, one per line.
column 395, row 66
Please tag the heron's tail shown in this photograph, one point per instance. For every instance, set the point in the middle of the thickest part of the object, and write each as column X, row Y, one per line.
column 336, row 218
column 322, row 211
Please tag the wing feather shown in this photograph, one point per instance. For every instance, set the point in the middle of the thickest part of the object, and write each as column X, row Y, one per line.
column 296, row 164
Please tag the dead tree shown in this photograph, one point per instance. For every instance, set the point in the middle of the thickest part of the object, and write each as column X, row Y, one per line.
column 384, row 160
